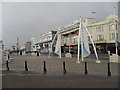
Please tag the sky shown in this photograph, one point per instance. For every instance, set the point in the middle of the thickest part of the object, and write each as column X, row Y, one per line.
column 30, row 19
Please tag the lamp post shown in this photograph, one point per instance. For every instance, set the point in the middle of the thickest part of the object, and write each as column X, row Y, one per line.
column 94, row 16
column 17, row 45
column 116, row 43
column 115, row 27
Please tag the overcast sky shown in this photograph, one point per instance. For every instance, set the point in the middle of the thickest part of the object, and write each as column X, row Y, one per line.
column 30, row 19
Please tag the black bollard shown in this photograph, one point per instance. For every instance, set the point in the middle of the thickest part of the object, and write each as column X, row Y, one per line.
column 26, row 68
column 86, row 72
column 109, row 73
column 64, row 69
column 7, row 65
column 8, row 56
column 37, row 53
column 20, row 53
column 45, row 67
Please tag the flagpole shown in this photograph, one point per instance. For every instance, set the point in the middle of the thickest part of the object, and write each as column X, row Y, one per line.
column 98, row 61
column 78, row 58
column 81, row 35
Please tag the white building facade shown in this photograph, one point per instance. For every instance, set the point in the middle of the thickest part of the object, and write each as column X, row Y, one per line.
column 42, row 43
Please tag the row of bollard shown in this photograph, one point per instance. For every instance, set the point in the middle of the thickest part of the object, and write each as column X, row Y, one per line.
column 64, row 68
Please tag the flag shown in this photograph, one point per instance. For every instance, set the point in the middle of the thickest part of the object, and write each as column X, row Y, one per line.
column 85, row 47
column 58, row 45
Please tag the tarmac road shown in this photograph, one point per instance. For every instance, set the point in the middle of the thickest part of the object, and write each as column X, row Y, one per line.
column 58, row 80
column 54, row 77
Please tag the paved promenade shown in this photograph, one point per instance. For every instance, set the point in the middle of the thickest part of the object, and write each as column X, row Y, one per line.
column 97, row 77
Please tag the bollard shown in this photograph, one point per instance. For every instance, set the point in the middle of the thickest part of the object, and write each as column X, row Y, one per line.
column 20, row 53
column 7, row 65
column 26, row 68
column 8, row 56
column 45, row 67
column 86, row 72
column 64, row 70
column 37, row 53
column 109, row 73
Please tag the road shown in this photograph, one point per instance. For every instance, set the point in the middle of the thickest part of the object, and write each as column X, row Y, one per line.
column 97, row 77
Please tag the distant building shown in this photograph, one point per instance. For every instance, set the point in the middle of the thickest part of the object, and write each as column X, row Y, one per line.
column 104, row 35
column 28, row 47
column 22, row 48
column 1, row 45
column 42, row 43
column 3, row 53
column 13, row 48
column 0, row 53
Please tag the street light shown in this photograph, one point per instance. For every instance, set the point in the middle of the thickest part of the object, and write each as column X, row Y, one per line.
column 116, row 43
column 93, row 16
column 17, row 45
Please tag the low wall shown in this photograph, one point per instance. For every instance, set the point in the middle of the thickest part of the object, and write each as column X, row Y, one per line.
column 115, row 58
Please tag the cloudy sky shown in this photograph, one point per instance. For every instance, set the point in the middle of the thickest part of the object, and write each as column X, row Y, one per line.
column 29, row 19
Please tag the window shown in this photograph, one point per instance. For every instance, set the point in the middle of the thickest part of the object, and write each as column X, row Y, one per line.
column 113, row 27
column 100, row 37
column 109, row 27
column 113, row 37
column 102, row 28
column 99, row 28
column 116, row 26
column 117, row 35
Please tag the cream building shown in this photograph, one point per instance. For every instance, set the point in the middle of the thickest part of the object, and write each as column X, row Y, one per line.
column 106, row 31
column 104, row 34
column 1, row 45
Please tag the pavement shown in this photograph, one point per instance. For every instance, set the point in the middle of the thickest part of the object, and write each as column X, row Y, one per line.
column 97, row 77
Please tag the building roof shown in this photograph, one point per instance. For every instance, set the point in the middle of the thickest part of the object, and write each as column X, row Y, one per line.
column 107, row 20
